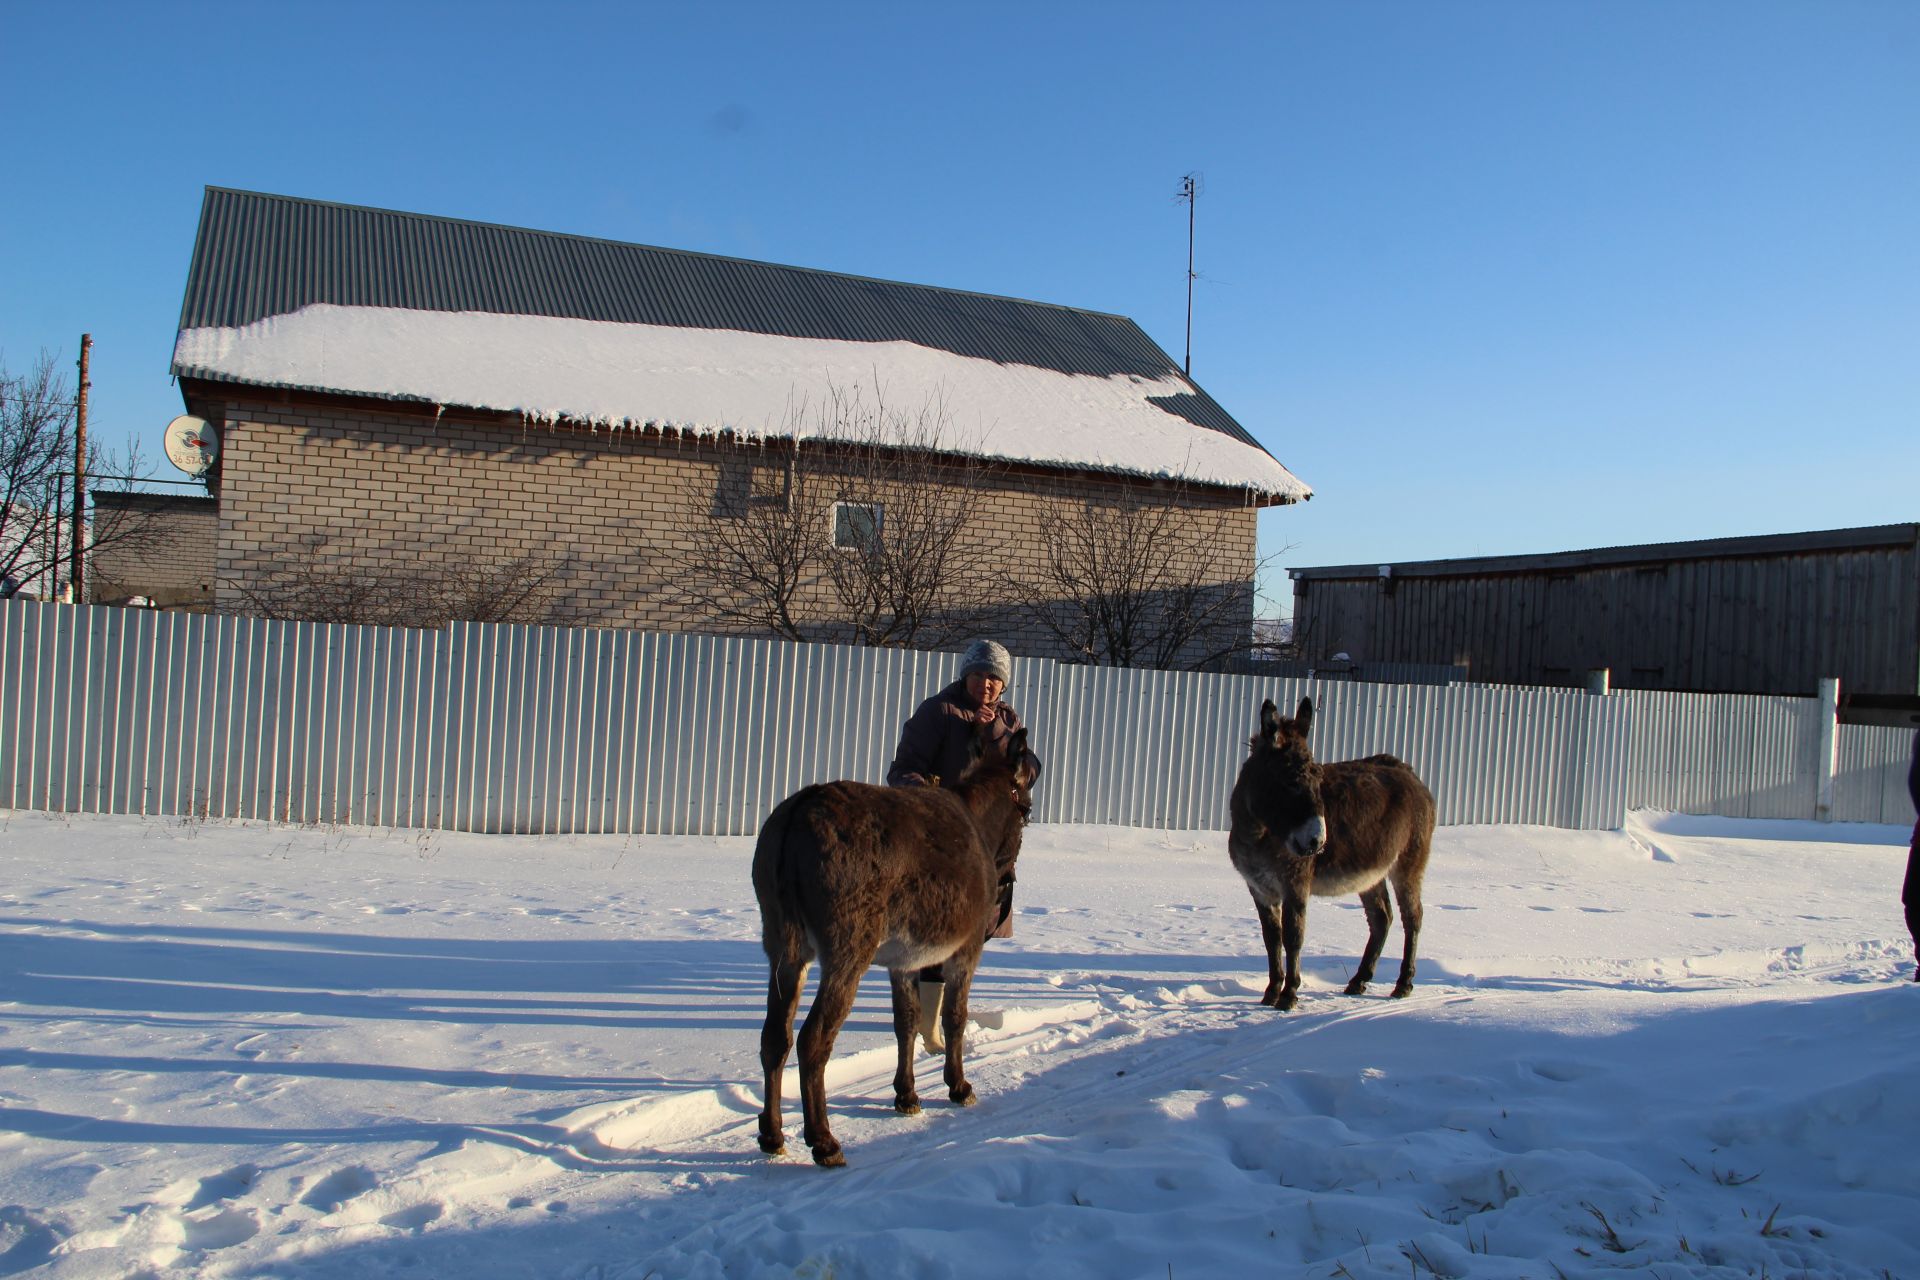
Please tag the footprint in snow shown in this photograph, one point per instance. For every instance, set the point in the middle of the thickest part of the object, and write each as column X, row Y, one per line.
column 25, row 1241
column 220, row 1229
column 1564, row 1071
column 339, row 1187
column 223, row 1186
column 414, row 1217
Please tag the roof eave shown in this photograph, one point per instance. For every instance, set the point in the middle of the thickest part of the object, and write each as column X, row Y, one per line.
column 196, row 381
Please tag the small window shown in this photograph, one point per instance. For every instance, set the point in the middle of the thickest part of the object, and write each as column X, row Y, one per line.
column 856, row 525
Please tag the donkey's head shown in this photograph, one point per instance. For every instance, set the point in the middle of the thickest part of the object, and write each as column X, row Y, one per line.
column 1020, row 766
column 1026, row 770
column 1282, row 781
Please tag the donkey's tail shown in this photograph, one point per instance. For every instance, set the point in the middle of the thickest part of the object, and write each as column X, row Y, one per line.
column 777, row 927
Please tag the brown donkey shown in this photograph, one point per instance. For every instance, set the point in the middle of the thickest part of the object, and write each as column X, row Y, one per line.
column 860, row 875
column 1301, row 828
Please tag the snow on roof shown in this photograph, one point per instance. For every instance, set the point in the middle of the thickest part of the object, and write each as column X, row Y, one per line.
column 708, row 381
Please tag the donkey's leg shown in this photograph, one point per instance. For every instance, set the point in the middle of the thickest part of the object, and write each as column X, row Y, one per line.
column 1406, row 887
column 958, row 971
column 906, row 1028
column 1293, row 935
column 1270, row 934
column 839, row 983
column 784, row 984
column 1379, row 908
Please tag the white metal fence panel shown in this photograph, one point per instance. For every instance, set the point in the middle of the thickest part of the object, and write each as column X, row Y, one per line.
column 545, row 730
column 553, row 730
column 1151, row 748
column 1870, row 780
column 1736, row 755
column 1140, row 748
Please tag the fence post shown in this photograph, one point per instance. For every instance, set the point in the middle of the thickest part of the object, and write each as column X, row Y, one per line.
column 1598, row 762
column 1827, row 761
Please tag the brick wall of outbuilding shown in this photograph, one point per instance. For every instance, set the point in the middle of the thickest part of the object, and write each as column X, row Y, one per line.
column 160, row 547
column 399, row 490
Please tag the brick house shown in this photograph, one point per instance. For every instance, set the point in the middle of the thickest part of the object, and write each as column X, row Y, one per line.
column 403, row 396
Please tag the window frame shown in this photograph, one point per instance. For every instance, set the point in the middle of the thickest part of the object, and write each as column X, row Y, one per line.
column 876, row 513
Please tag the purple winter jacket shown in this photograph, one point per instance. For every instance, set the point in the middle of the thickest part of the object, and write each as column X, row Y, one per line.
column 936, row 743
column 936, row 747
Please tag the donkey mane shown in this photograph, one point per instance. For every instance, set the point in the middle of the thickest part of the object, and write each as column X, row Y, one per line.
column 980, row 787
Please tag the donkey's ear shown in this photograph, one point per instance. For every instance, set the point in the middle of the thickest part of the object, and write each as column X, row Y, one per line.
column 1304, row 716
column 1269, row 718
column 1026, row 765
column 977, row 744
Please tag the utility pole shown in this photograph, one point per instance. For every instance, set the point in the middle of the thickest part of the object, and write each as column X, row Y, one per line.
column 76, row 575
column 1190, row 196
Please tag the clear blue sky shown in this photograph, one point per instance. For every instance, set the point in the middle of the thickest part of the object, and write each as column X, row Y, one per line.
column 1492, row 277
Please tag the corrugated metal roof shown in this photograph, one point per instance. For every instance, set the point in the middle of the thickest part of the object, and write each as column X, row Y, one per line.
column 260, row 255
column 1767, row 544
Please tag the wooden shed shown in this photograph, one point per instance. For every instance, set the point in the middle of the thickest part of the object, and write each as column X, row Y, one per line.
column 1769, row 614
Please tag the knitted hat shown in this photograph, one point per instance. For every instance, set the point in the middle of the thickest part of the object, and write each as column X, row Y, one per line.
column 987, row 656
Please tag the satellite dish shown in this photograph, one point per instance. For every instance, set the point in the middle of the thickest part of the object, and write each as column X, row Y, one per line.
column 192, row 444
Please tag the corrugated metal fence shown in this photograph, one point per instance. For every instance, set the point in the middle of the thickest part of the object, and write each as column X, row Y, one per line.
column 496, row 728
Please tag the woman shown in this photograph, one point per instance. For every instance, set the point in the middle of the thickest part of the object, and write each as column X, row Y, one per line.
column 1910, row 891
column 936, row 746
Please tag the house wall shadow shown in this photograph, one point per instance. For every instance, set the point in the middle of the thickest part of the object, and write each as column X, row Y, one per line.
column 162, row 975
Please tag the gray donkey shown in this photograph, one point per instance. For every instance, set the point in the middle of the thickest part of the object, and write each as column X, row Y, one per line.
column 1301, row 828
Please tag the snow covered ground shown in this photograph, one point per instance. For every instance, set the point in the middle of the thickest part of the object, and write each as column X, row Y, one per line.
column 1688, row 1048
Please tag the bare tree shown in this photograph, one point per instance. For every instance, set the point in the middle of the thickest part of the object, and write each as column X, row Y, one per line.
column 855, row 536
column 322, row 584
column 37, row 413
column 1134, row 582
column 900, row 580
column 747, row 543
column 1273, row 640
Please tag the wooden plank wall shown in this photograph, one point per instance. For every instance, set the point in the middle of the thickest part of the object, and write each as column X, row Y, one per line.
column 1761, row 624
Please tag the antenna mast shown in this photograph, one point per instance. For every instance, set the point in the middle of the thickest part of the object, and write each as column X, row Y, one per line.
column 1189, row 196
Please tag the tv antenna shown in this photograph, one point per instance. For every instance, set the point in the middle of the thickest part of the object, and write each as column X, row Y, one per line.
column 1191, row 185
column 192, row 444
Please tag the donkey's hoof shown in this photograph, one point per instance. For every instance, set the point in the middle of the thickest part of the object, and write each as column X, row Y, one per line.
column 772, row 1141
column 964, row 1095
column 1270, row 997
column 1358, row 987
column 907, row 1106
column 1287, row 1000
column 1401, row 990
column 830, row 1156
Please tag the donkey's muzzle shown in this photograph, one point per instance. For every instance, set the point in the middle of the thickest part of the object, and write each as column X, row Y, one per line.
column 1309, row 838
